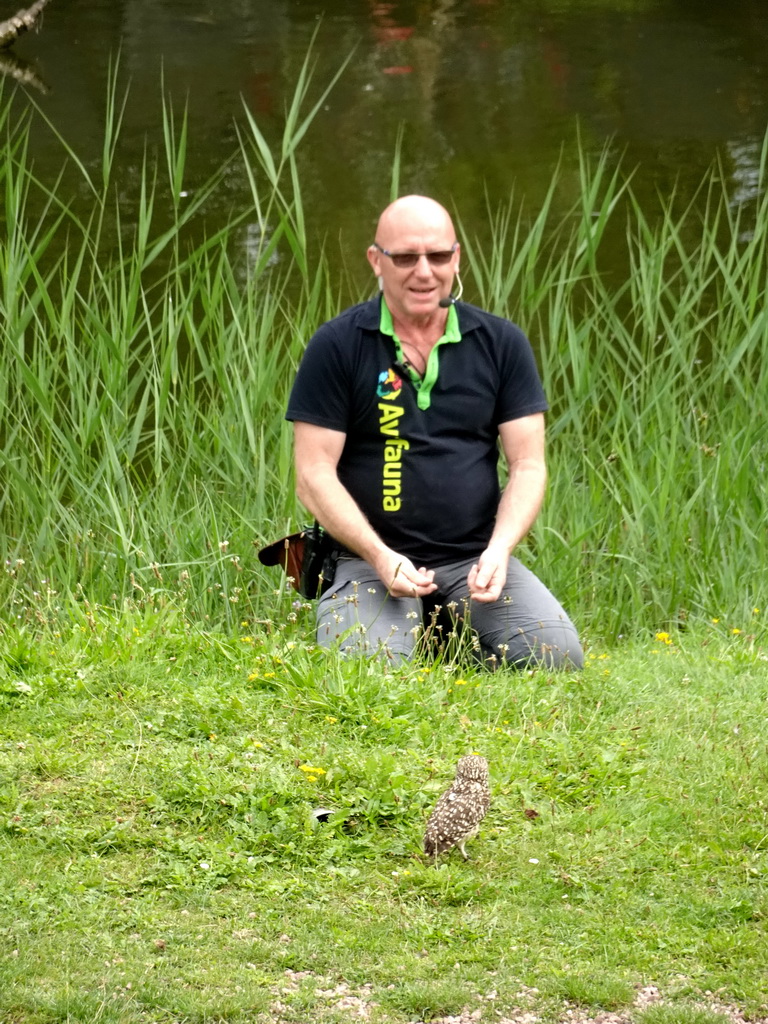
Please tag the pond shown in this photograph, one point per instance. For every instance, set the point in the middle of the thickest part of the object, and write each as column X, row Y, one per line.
column 490, row 95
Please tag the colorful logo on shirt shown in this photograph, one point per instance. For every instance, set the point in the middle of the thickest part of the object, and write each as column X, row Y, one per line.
column 389, row 383
column 390, row 391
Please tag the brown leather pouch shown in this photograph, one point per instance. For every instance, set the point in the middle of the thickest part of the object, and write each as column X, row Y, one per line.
column 308, row 558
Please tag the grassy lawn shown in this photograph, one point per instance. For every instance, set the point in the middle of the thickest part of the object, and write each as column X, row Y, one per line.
column 160, row 862
column 166, row 727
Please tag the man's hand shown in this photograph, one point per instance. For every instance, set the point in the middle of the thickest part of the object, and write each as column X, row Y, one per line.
column 487, row 577
column 402, row 577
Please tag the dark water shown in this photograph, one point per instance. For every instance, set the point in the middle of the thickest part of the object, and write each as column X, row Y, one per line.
column 490, row 93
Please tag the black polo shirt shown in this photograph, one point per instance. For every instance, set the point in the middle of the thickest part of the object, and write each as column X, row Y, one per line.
column 425, row 477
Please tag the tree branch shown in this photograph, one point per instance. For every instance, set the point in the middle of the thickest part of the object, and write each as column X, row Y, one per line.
column 21, row 22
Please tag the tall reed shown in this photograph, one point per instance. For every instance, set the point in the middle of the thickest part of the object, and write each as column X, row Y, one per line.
column 658, row 442
column 144, row 376
column 146, row 362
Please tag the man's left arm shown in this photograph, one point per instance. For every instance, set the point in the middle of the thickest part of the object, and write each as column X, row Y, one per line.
column 522, row 441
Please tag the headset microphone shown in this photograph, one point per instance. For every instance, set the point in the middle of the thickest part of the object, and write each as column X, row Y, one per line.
column 452, row 299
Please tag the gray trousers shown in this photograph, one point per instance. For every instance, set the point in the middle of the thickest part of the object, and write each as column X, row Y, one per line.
column 525, row 626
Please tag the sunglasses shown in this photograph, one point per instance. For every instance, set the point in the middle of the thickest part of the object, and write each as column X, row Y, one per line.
column 408, row 260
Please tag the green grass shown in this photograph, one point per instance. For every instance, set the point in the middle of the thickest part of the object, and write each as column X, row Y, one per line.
column 167, row 727
column 146, row 361
column 159, row 861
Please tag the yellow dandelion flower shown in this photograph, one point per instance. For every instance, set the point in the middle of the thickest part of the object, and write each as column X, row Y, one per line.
column 664, row 638
column 460, row 682
column 714, row 621
column 735, row 631
column 310, row 770
column 331, row 719
column 252, row 676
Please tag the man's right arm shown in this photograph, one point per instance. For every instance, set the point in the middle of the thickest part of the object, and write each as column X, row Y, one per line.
column 317, row 453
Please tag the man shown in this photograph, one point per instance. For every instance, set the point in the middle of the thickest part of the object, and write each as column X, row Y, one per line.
column 398, row 407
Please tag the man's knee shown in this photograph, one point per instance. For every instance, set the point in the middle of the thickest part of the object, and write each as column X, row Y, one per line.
column 354, row 643
column 552, row 645
column 360, row 621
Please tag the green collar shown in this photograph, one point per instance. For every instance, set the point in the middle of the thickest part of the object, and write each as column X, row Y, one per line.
column 423, row 384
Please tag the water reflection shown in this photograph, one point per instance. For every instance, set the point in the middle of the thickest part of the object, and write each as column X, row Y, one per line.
column 490, row 93
column 255, row 242
column 745, row 159
column 21, row 71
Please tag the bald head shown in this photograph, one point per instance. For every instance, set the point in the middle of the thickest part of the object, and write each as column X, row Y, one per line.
column 415, row 257
column 414, row 215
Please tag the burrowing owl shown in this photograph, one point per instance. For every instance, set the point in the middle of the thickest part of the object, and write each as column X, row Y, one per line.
column 459, row 811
